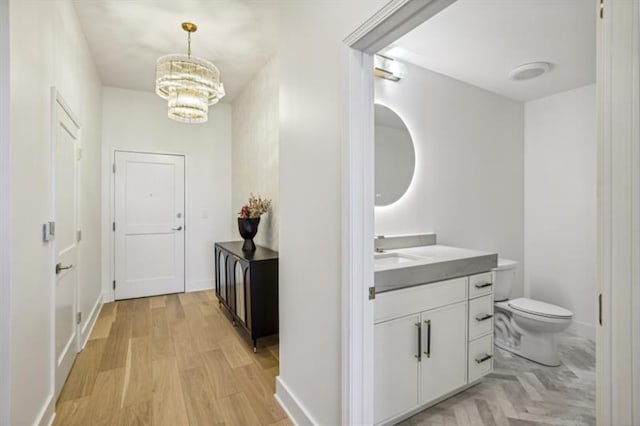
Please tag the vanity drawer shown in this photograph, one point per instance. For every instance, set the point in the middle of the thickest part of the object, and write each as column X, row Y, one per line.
column 397, row 303
column 480, row 357
column 480, row 284
column 480, row 316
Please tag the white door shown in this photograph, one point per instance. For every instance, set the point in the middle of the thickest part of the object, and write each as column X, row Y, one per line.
column 444, row 356
column 66, row 154
column 149, row 224
column 396, row 358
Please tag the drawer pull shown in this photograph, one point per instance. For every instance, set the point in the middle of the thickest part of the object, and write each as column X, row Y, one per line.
column 419, row 356
column 484, row 358
column 428, row 352
column 484, row 317
column 484, row 285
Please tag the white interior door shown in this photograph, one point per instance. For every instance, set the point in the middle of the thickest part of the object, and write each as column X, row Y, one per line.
column 66, row 153
column 149, row 224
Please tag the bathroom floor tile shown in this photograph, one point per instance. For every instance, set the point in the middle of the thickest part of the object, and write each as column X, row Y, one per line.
column 523, row 393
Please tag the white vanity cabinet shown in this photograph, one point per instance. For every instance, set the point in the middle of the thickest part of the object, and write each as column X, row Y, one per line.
column 480, row 326
column 444, row 354
column 423, row 341
column 396, row 347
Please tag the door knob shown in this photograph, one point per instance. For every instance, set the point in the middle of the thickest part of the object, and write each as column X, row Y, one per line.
column 179, row 228
column 60, row 268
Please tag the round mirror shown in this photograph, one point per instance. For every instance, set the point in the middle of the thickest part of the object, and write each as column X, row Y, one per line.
column 395, row 156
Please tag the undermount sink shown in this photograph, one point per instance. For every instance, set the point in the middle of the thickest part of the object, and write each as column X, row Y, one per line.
column 393, row 258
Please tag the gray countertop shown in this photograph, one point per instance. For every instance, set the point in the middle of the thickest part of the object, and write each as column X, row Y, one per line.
column 430, row 264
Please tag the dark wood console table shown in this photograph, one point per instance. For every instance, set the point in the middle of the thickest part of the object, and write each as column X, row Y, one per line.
column 247, row 286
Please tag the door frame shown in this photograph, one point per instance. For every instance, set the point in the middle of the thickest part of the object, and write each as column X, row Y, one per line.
column 618, row 332
column 395, row 19
column 5, row 214
column 58, row 101
column 618, row 205
column 112, row 215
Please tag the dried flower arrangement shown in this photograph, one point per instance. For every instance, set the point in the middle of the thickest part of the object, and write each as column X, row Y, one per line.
column 256, row 207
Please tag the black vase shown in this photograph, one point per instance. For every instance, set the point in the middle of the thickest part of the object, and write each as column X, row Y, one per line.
column 248, row 229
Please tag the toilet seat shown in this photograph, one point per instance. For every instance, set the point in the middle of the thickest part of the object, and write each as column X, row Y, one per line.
column 537, row 308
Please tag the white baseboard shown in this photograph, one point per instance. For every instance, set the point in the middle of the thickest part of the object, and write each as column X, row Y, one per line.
column 582, row 329
column 199, row 285
column 47, row 413
column 291, row 405
column 86, row 330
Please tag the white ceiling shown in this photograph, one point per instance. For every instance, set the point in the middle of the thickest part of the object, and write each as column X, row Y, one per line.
column 127, row 37
column 481, row 41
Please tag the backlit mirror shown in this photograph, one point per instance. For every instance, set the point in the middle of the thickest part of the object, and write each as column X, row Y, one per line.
column 395, row 156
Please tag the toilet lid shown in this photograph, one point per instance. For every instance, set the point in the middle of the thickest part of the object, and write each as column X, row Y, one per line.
column 539, row 308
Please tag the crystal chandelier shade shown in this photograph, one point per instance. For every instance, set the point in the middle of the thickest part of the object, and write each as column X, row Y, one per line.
column 189, row 84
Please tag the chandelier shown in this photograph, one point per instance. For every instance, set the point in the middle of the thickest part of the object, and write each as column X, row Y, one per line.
column 189, row 84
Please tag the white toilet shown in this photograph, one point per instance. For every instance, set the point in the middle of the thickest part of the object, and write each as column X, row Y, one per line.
column 523, row 326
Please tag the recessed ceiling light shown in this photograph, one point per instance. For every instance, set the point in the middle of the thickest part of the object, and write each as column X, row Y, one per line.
column 529, row 71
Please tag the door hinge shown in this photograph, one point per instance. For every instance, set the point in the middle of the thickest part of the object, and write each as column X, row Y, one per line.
column 113, row 167
column 372, row 293
column 79, row 153
column 79, row 235
column 114, row 284
column 600, row 308
column 78, row 317
column 601, row 9
column 114, row 227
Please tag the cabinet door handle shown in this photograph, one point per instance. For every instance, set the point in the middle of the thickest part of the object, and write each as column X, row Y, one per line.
column 483, row 285
column 484, row 317
column 484, row 358
column 428, row 351
column 419, row 356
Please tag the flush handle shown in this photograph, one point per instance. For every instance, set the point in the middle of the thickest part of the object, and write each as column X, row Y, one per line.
column 484, row 285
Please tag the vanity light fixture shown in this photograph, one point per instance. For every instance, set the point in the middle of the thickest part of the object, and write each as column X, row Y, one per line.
column 188, row 83
column 529, row 71
column 388, row 68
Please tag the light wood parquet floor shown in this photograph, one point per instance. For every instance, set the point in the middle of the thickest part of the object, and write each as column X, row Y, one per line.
column 522, row 393
column 170, row 360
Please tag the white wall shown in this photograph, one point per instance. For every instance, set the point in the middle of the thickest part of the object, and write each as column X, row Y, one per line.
column 5, row 225
column 312, row 63
column 469, row 181
column 47, row 49
column 255, row 150
column 137, row 121
column 560, row 203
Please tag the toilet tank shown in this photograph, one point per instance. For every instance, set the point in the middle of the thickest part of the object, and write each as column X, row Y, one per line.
column 504, row 277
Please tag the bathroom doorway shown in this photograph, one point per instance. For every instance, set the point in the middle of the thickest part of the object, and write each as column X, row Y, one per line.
column 389, row 25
